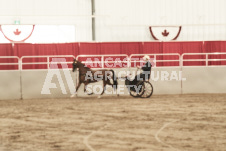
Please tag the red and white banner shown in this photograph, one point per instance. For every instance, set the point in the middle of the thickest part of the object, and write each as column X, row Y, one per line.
column 17, row 33
column 165, row 33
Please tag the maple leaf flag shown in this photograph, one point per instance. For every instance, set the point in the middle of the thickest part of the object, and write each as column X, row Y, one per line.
column 17, row 33
column 165, row 33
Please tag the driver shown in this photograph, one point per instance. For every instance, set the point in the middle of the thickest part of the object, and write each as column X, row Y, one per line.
column 145, row 75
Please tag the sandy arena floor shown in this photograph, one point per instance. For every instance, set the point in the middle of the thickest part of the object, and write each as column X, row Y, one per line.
column 160, row 123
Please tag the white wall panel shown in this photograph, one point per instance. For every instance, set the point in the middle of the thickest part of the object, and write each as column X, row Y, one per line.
column 204, row 80
column 10, row 85
column 122, row 20
column 8, row 7
column 162, row 86
column 198, row 80
column 45, row 7
column 33, row 82
column 50, row 12
column 124, row 16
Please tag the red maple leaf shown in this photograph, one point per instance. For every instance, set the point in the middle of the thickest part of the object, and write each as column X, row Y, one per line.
column 17, row 32
column 165, row 33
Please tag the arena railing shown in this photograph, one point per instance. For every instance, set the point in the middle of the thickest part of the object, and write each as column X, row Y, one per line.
column 207, row 59
column 47, row 62
column 155, row 59
column 100, row 59
column 10, row 61
column 204, row 58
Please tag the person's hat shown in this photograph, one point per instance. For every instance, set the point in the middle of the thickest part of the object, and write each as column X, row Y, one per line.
column 146, row 57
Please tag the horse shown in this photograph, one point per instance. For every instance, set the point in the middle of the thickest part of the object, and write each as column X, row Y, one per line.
column 87, row 76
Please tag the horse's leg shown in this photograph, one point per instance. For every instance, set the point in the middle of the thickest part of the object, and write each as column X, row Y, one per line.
column 76, row 90
column 114, row 89
column 85, row 85
column 115, row 82
column 108, row 82
column 104, row 88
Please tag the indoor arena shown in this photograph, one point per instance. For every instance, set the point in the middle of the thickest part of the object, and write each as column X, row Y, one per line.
column 112, row 75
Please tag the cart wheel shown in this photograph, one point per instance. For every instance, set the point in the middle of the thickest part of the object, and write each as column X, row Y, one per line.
column 138, row 90
column 148, row 89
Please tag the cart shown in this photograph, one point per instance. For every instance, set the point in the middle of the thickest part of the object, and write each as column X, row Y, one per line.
column 142, row 89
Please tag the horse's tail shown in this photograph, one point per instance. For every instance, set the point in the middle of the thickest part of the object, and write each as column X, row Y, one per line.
column 115, row 82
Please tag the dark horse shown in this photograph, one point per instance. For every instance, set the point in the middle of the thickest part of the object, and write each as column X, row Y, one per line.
column 87, row 75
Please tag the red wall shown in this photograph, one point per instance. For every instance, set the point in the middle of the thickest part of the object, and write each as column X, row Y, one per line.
column 25, row 49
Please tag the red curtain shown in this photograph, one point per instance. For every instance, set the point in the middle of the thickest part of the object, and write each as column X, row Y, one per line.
column 173, row 47
column 181, row 48
column 46, row 49
column 193, row 47
column 168, row 48
column 153, row 48
column 131, row 48
column 7, row 50
column 93, row 48
column 112, row 48
column 214, row 47
column 90, row 49
column 42, row 50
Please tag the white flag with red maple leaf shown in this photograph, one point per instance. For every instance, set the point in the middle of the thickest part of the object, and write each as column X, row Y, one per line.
column 17, row 33
column 165, row 33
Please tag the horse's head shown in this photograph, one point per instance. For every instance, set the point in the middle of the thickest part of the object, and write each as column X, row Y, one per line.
column 80, row 65
column 75, row 65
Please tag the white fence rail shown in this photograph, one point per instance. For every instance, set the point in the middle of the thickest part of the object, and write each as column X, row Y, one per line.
column 47, row 62
column 110, row 59
column 155, row 60
column 206, row 57
column 10, row 63
column 104, row 60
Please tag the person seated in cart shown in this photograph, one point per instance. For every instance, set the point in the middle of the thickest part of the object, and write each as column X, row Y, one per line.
column 140, row 85
column 145, row 75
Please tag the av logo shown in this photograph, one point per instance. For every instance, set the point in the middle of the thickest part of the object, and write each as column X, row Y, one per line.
column 55, row 71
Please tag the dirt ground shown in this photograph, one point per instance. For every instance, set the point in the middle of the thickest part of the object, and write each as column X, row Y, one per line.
column 160, row 123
